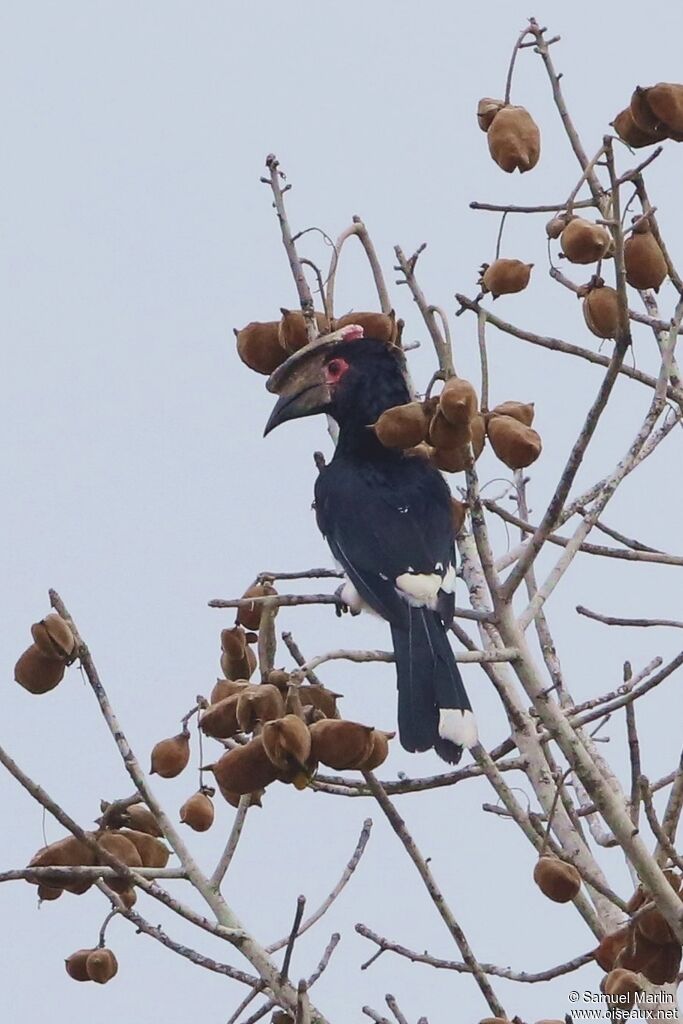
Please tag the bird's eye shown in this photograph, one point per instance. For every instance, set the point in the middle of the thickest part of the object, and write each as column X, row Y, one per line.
column 335, row 370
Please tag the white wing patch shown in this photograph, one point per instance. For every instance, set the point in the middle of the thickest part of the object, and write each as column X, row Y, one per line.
column 422, row 589
column 460, row 727
column 353, row 600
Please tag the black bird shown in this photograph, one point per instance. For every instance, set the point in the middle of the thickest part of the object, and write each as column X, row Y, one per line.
column 386, row 516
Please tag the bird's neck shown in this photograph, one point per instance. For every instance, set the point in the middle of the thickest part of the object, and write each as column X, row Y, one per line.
column 358, row 440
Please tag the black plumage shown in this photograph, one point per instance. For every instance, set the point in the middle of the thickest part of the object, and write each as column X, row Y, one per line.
column 386, row 515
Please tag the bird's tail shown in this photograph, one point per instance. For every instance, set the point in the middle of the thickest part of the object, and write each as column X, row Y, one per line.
column 433, row 707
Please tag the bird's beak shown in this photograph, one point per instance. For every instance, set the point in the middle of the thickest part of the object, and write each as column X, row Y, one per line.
column 310, row 399
column 300, row 384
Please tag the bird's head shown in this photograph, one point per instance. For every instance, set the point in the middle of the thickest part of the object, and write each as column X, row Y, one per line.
column 352, row 380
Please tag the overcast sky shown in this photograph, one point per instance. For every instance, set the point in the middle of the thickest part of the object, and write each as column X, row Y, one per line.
column 135, row 236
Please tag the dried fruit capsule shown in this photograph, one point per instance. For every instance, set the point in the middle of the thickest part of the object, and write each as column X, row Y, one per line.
column 621, row 987
column 244, row 769
column 514, row 443
column 452, row 460
column 54, row 637
column 524, row 412
column 238, row 661
column 287, row 743
column 340, row 744
column 250, row 617
column 38, row 673
column 611, row 946
column 153, row 853
column 48, row 893
column 140, row 818
column 76, row 965
column 478, row 428
column 124, row 850
column 584, row 242
column 601, row 312
column 458, row 514
column 654, row 927
column 514, row 140
column 258, row 704
column 627, row 130
column 67, row 852
column 379, row 750
column 663, row 966
column 226, row 688
column 382, row 326
column 443, row 434
column 198, row 812
column 505, row 277
column 220, row 720
column 556, row 225
column 292, row 329
column 258, row 346
column 665, row 100
column 101, row 965
column 557, row 880
column 402, row 426
column 644, row 260
column 319, row 697
column 643, row 115
column 487, row 108
column 458, row 401
column 171, row 756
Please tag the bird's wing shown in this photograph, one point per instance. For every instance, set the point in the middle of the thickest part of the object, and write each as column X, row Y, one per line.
column 390, row 527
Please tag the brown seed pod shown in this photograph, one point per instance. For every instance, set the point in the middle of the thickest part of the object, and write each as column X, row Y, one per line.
column 403, row 426
column 452, row 460
column 69, row 852
column 292, row 329
column 244, row 769
column 654, row 927
column 644, row 260
column 643, row 115
column 140, row 818
column 234, row 798
column 54, row 637
column 556, row 225
column 584, row 242
column 379, row 750
column 226, row 688
column 557, row 880
column 153, row 853
column 75, row 965
column 278, row 677
column 319, row 697
column 601, row 312
column 443, row 434
column 459, row 511
column 287, row 743
column 124, row 850
column 220, row 720
column 514, row 140
column 523, row 412
column 101, row 965
column 478, row 428
column 250, row 617
column 198, row 812
column 611, row 946
column 36, row 672
column 458, row 401
column 340, row 744
column 514, row 443
column 487, row 109
column 664, row 964
column 621, row 987
column 627, row 130
column 239, row 668
column 258, row 704
column 171, row 756
column 505, row 277
column 281, row 1017
column 382, row 326
column 665, row 101
column 47, row 893
column 234, row 642
column 258, row 346
column 128, row 897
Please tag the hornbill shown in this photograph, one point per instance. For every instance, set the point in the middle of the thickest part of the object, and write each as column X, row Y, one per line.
column 386, row 515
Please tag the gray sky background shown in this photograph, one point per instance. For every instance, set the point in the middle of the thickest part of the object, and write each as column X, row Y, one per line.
column 135, row 235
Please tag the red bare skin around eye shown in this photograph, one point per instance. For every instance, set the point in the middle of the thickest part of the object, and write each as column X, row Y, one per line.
column 335, row 370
